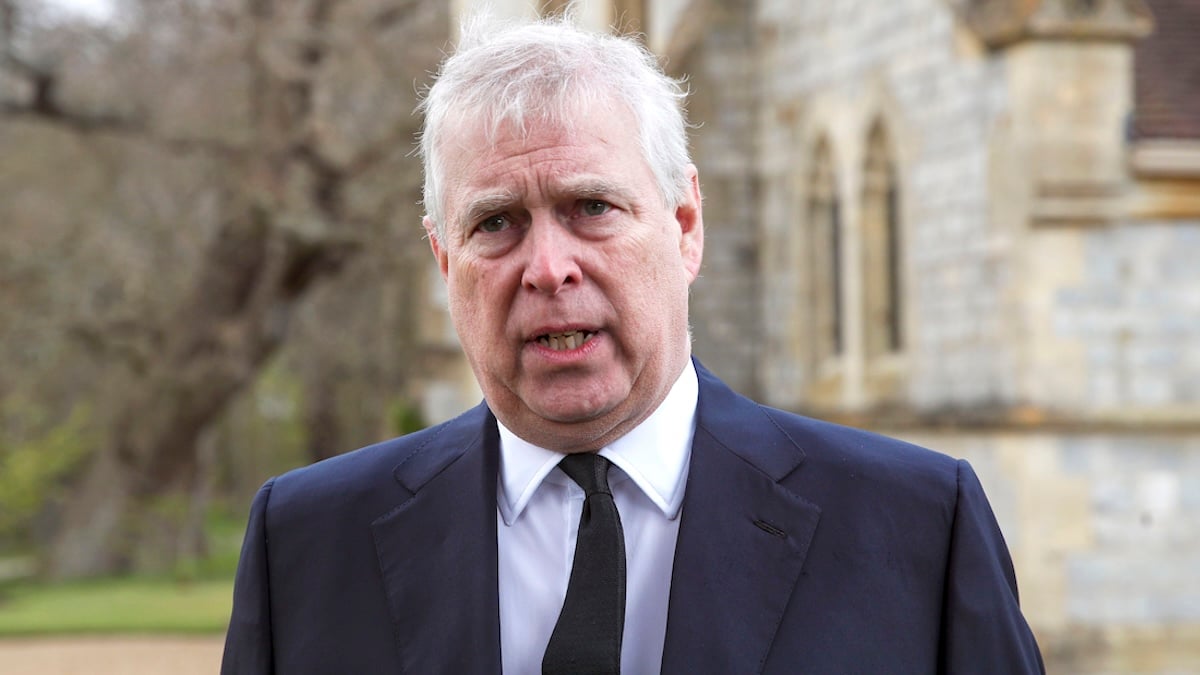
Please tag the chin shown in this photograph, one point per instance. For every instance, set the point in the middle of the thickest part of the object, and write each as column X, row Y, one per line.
column 572, row 415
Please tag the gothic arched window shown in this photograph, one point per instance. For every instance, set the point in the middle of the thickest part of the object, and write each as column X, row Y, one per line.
column 825, row 255
column 882, row 253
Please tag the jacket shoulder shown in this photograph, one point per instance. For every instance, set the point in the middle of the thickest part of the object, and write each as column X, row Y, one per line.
column 356, row 478
column 833, row 444
column 782, row 443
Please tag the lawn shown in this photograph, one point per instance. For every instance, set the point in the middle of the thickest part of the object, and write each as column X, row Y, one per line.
column 193, row 599
column 132, row 605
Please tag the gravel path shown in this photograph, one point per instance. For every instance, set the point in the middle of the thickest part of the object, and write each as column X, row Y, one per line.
column 111, row 656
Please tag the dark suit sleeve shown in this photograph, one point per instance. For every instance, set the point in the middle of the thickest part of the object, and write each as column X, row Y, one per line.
column 983, row 630
column 248, row 648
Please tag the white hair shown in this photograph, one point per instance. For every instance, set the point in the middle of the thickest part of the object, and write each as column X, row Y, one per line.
column 545, row 72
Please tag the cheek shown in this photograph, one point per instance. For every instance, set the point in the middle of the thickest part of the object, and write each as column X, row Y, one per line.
column 658, row 266
column 460, row 290
column 662, row 288
column 477, row 298
column 650, row 283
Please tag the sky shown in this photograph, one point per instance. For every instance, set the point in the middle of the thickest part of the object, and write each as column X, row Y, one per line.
column 93, row 9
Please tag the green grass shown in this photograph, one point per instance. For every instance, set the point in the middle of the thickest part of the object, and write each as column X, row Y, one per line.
column 111, row 606
column 194, row 597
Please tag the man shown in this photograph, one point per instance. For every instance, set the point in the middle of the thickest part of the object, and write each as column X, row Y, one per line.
column 691, row 530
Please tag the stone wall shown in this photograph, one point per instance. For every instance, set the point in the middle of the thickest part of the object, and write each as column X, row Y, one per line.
column 1116, row 322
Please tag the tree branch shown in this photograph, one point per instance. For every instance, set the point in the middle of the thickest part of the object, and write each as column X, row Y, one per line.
column 130, row 340
column 380, row 149
column 43, row 103
column 86, row 123
column 391, row 15
column 47, row 109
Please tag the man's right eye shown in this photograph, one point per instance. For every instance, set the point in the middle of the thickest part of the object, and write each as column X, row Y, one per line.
column 497, row 223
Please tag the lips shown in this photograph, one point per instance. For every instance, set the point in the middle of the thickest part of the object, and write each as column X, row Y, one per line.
column 565, row 340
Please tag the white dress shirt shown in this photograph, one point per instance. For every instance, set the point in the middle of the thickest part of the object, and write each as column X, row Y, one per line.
column 538, row 510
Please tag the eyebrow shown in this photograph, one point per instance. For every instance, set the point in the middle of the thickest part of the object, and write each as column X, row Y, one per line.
column 487, row 205
column 594, row 188
column 581, row 188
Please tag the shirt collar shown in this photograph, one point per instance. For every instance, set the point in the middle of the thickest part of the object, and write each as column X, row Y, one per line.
column 654, row 455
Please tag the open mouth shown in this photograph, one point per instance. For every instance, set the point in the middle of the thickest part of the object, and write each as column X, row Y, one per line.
column 564, row 341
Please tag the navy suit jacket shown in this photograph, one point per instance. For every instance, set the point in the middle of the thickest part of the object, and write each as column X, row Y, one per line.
column 805, row 547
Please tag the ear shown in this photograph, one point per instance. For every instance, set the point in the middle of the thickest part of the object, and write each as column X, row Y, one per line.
column 689, row 215
column 439, row 253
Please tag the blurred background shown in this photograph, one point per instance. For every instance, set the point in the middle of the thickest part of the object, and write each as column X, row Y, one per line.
column 974, row 224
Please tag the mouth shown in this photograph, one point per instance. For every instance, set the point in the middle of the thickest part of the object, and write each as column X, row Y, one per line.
column 564, row 341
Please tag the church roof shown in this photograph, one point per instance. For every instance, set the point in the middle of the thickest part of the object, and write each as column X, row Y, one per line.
column 1167, row 73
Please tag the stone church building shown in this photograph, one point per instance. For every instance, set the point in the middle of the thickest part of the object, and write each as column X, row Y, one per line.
column 974, row 224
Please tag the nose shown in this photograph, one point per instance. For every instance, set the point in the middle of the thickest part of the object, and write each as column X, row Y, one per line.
column 552, row 257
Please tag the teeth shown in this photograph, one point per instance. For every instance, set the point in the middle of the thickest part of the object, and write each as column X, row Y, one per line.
column 564, row 341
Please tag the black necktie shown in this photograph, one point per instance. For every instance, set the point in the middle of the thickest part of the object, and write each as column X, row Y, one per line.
column 587, row 637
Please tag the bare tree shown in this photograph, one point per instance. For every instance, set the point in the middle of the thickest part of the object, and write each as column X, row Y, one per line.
column 292, row 107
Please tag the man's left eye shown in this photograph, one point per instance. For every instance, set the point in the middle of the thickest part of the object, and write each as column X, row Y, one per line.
column 595, row 207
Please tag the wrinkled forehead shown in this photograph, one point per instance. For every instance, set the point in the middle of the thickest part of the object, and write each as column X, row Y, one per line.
column 483, row 127
column 481, row 151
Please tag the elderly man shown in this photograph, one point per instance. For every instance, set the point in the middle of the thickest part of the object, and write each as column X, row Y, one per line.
column 611, row 505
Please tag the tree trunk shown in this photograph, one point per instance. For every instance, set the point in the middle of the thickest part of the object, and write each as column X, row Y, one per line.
column 323, row 438
column 87, row 540
column 132, row 502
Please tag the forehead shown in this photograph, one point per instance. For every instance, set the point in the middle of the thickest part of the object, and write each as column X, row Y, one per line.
column 597, row 146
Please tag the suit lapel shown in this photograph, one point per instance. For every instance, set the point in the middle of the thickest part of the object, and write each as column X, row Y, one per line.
column 742, row 541
column 437, row 551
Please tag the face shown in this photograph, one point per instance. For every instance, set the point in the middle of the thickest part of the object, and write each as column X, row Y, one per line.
column 568, row 276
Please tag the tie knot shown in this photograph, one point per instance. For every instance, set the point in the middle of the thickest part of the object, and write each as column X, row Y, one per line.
column 589, row 470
